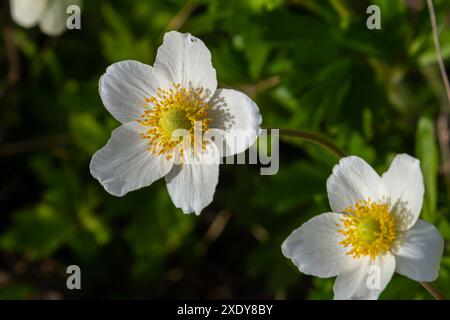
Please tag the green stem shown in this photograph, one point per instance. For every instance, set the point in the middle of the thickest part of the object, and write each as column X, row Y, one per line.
column 433, row 291
column 341, row 8
column 442, row 121
column 314, row 138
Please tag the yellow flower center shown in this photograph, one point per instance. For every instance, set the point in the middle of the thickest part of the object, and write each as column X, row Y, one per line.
column 170, row 110
column 174, row 119
column 369, row 229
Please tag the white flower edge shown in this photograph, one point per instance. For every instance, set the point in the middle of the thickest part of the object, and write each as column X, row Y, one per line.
column 50, row 15
column 314, row 247
column 27, row 13
column 401, row 186
column 183, row 59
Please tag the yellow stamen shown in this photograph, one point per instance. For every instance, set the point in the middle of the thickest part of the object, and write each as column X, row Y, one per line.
column 170, row 110
column 369, row 229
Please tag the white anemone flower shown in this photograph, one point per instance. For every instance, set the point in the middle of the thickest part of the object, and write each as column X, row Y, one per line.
column 50, row 15
column 152, row 104
column 373, row 230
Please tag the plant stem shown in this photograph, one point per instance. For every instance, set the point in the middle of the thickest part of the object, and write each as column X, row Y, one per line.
column 34, row 144
column 433, row 291
column 442, row 121
column 437, row 46
column 314, row 138
column 182, row 16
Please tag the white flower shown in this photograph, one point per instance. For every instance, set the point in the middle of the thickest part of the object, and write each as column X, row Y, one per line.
column 373, row 230
column 50, row 15
column 152, row 103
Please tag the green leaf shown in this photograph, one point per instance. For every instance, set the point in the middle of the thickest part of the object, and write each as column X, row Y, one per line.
column 427, row 152
column 88, row 133
column 38, row 232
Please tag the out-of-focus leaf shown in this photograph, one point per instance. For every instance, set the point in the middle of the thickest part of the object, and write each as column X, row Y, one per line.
column 38, row 232
column 89, row 134
column 427, row 153
column 156, row 231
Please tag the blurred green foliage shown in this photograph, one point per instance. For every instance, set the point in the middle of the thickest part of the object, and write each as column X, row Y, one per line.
column 308, row 64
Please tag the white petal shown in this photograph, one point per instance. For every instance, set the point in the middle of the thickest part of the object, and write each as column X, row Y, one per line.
column 184, row 59
column 419, row 252
column 354, row 180
column 405, row 184
column 26, row 13
column 192, row 185
column 314, row 247
column 53, row 20
column 124, row 87
column 124, row 164
column 367, row 280
column 237, row 117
